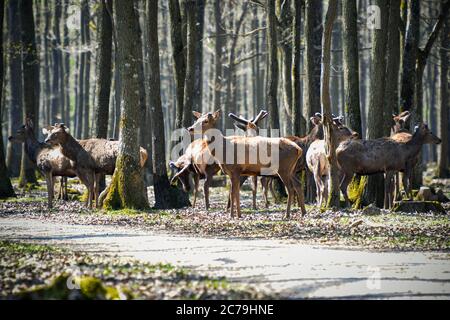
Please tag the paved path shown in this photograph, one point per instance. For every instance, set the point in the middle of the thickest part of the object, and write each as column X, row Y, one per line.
column 295, row 270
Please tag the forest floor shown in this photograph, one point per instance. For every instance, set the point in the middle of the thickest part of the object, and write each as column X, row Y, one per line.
column 345, row 235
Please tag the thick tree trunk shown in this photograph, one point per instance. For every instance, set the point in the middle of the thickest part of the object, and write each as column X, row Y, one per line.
column 6, row 189
column 66, row 57
column 127, row 188
column 393, row 64
column 30, row 67
column 374, row 189
column 87, row 71
column 81, row 76
column 14, row 150
column 179, row 59
column 104, row 69
column 166, row 196
column 444, row 103
column 198, row 86
column 218, row 49
column 298, row 121
column 189, row 83
column 56, row 108
column 313, row 49
column 272, row 67
column 47, row 64
column 410, row 56
column 329, row 135
column 351, row 65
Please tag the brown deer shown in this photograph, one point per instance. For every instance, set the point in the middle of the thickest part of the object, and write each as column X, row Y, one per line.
column 49, row 160
column 196, row 162
column 84, row 163
column 384, row 155
column 234, row 166
column 317, row 161
column 104, row 152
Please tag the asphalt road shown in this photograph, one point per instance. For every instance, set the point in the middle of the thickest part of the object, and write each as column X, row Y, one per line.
column 292, row 269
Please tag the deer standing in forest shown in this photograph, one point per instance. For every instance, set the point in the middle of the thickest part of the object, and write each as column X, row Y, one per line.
column 252, row 165
column 383, row 155
column 84, row 163
column 318, row 163
column 49, row 160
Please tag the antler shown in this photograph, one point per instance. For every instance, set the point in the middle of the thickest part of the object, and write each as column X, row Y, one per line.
column 238, row 119
column 261, row 115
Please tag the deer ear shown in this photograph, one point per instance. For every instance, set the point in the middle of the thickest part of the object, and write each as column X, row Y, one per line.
column 45, row 131
column 196, row 114
column 216, row 114
column 315, row 120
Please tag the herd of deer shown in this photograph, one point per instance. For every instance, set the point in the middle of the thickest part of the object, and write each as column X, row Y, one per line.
column 90, row 159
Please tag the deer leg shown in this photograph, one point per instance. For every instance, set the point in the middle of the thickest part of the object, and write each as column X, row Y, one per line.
column 265, row 186
column 196, row 186
column 326, row 188
column 254, row 189
column 299, row 192
column 64, row 188
column 206, row 190
column 405, row 181
column 346, row 179
column 97, row 177
column 49, row 181
column 288, row 183
column 231, row 195
column 318, row 181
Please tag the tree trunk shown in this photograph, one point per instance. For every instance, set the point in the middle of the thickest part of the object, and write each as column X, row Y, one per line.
column 374, row 189
column 104, row 69
column 298, row 121
column 30, row 67
column 198, row 86
column 14, row 150
column 218, row 49
column 333, row 199
column 189, row 83
column 56, row 110
column 6, row 189
column 313, row 49
column 351, row 65
column 47, row 64
column 166, row 196
column 272, row 67
column 179, row 60
column 87, row 71
column 66, row 56
column 81, row 77
column 393, row 64
column 444, row 103
column 410, row 56
column 127, row 188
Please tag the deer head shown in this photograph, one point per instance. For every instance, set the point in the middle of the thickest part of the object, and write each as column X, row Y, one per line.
column 25, row 131
column 204, row 122
column 421, row 131
column 56, row 134
column 400, row 122
column 181, row 167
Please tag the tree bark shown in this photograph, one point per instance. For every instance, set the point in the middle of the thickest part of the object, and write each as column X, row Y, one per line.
column 30, row 69
column 47, row 64
column 104, row 69
column 127, row 188
column 56, row 108
column 374, row 189
column 14, row 150
column 166, row 196
column 66, row 57
column 272, row 67
column 298, row 121
column 87, row 71
column 189, row 83
column 6, row 189
column 218, row 49
column 313, row 49
column 198, row 86
column 444, row 103
column 351, row 65
column 179, row 59
column 410, row 56
column 330, row 149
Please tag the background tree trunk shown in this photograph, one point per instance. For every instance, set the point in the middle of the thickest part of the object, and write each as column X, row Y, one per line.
column 179, row 59
column 218, row 49
column 272, row 67
column 30, row 67
column 6, row 189
column 198, row 86
column 87, row 70
column 56, row 108
column 313, row 50
column 14, row 150
column 104, row 69
column 444, row 104
column 298, row 121
column 166, row 196
column 374, row 189
column 127, row 188
column 329, row 136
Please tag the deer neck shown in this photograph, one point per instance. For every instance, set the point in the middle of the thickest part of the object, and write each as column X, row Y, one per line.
column 71, row 148
column 414, row 145
column 215, row 140
column 32, row 147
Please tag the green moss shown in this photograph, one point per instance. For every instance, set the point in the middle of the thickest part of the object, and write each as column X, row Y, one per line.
column 355, row 190
column 24, row 199
column 27, row 248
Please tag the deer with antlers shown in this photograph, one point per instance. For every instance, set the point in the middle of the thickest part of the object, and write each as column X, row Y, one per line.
column 245, row 156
